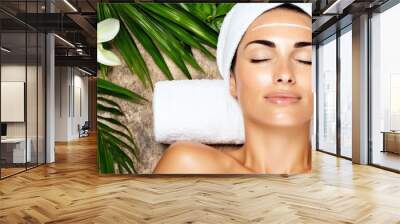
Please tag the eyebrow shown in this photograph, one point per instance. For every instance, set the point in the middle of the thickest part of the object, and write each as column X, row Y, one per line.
column 263, row 42
column 272, row 44
column 302, row 44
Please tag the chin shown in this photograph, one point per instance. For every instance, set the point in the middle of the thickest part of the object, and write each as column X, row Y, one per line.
column 282, row 124
column 285, row 121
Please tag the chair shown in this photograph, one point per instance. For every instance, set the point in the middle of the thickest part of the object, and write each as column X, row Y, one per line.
column 84, row 130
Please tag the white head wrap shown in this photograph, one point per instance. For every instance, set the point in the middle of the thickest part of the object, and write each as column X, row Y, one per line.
column 235, row 25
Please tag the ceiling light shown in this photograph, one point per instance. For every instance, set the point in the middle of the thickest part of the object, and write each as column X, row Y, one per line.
column 84, row 71
column 64, row 40
column 70, row 5
column 5, row 50
column 79, row 51
column 337, row 7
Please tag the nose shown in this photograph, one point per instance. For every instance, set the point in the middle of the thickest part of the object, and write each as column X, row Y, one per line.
column 284, row 75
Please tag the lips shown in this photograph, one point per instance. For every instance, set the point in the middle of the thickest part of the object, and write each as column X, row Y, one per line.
column 282, row 98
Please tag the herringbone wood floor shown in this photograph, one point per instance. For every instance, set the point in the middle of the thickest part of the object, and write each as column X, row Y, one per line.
column 70, row 191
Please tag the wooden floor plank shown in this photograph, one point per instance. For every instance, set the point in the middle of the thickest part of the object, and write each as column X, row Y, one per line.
column 71, row 191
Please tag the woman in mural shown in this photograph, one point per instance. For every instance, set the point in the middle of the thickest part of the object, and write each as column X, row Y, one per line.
column 264, row 54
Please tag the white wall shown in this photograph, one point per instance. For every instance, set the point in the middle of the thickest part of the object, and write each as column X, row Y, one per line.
column 69, row 82
column 80, row 84
column 61, row 103
column 14, row 73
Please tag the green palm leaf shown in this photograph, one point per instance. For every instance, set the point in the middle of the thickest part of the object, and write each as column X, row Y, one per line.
column 203, row 11
column 105, row 161
column 114, row 122
column 112, row 110
column 112, row 153
column 101, row 99
column 113, row 144
column 174, row 29
column 115, row 138
column 108, row 88
column 148, row 45
column 183, row 35
column 116, row 132
column 103, row 70
column 122, row 159
column 128, row 49
column 223, row 9
column 186, row 20
column 183, row 50
column 156, row 32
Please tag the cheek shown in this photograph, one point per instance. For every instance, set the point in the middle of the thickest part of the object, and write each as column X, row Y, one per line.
column 305, row 84
column 304, row 79
column 304, row 76
column 253, row 80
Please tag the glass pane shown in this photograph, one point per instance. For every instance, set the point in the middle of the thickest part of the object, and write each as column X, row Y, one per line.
column 31, row 86
column 314, row 78
column 31, row 98
column 327, row 96
column 41, row 98
column 13, row 87
column 346, row 94
column 386, row 89
column 23, row 88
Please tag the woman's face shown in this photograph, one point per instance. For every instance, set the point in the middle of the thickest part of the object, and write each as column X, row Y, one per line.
column 272, row 75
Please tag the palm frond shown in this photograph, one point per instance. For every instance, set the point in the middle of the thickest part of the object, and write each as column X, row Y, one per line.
column 158, row 34
column 116, row 145
column 111, row 110
column 128, row 49
column 174, row 30
column 148, row 44
column 183, row 35
column 108, row 88
column 186, row 20
column 103, row 70
column 223, row 9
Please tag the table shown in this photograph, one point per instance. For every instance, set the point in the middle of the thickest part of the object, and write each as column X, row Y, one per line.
column 16, row 147
column 391, row 141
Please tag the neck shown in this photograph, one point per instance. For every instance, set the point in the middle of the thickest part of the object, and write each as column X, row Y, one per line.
column 277, row 150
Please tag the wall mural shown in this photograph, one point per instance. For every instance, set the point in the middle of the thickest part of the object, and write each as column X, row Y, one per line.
column 204, row 88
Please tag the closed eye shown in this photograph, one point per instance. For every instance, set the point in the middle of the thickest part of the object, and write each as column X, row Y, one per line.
column 305, row 62
column 259, row 60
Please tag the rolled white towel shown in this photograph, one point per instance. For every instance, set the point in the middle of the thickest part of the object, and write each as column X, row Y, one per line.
column 196, row 110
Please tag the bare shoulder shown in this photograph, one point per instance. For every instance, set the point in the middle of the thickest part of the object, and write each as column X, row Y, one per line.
column 185, row 157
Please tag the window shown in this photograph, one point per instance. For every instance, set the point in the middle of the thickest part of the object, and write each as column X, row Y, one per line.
column 346, row 92
column 22, row 101
column 327, row 95
column 385, row 89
